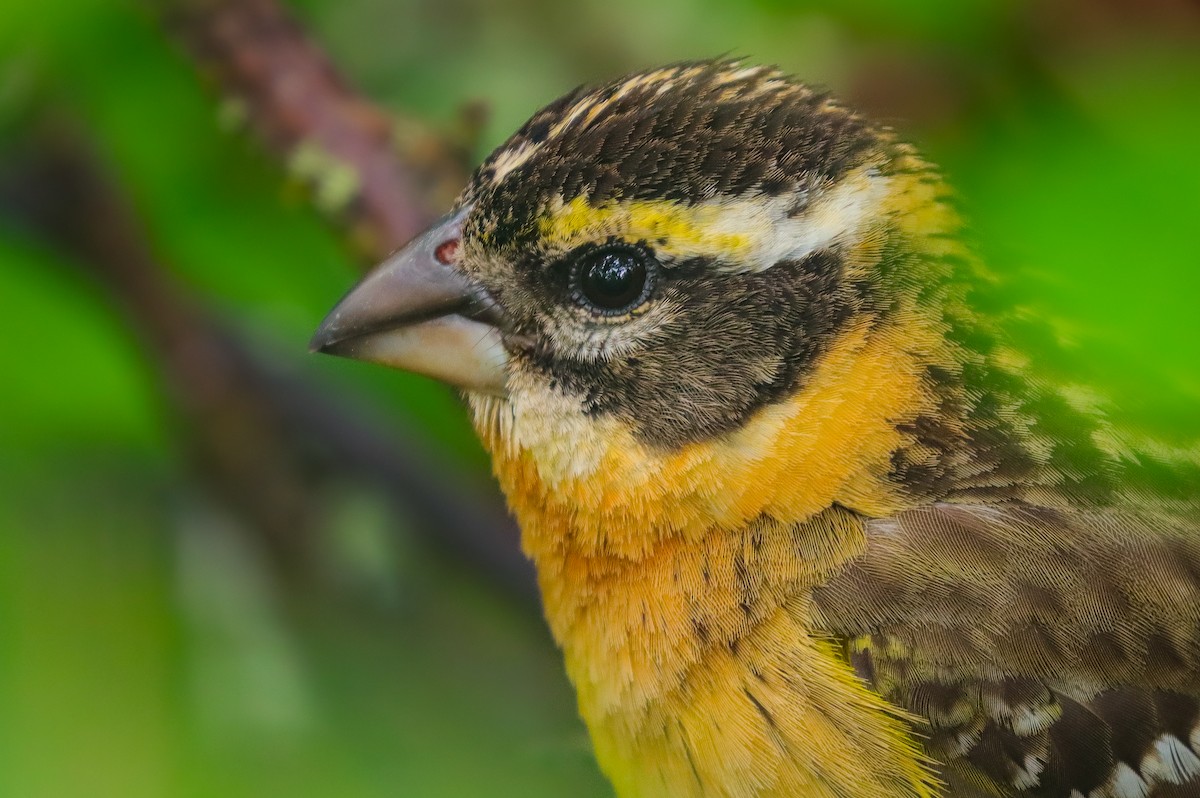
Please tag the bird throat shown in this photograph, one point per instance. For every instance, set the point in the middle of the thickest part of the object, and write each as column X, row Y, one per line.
column 677, row 582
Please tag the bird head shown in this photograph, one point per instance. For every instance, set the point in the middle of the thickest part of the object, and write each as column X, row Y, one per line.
column 686, row 276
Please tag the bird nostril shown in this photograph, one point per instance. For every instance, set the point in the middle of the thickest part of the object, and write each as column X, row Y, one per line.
column 446, row 252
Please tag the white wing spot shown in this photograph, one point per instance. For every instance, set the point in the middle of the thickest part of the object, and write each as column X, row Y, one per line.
column 1030, row 775
column 1171, row 760
column 1125, row 783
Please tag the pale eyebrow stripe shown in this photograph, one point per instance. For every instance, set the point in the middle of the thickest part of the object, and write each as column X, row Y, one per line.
column 742, row 234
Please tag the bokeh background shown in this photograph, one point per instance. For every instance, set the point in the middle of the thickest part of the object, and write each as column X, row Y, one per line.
column 229, row 568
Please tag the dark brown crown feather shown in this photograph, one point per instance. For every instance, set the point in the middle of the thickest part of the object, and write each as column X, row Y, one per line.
column 691, row 133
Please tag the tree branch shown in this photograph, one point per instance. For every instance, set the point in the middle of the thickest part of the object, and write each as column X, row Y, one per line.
column 264, row 439
column 383, row 177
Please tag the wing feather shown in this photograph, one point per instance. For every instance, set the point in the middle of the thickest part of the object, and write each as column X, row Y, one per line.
column 1052, row 651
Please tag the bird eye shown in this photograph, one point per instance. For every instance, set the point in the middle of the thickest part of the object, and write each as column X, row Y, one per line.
column 612, row 280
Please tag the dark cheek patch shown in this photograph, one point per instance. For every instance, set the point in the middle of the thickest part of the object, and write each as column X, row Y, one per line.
column 741, row 341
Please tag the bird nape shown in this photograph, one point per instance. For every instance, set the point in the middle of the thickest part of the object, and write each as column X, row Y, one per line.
column 806, row 523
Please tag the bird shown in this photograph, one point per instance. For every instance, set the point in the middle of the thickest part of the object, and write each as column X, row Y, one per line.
column 806, row 520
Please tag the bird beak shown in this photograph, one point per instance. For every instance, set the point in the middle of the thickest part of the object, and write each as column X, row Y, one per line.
column 417, row 311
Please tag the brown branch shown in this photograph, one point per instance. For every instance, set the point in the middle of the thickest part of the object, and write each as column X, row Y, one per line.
column 52, row 184
column 263, row 439
column 386, row 178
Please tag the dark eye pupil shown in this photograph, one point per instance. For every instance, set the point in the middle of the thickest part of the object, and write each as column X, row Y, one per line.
column 613, row 280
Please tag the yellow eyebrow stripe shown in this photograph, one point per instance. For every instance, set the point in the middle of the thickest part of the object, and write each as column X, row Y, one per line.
column 674, row 229
column 744, row 233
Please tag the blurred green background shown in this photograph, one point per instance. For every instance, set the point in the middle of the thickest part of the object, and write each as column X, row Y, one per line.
column 154, row 642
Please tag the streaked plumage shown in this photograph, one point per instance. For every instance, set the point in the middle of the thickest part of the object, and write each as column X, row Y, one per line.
column 805, row 522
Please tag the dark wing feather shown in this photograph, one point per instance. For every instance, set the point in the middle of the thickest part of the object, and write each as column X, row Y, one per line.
column 1053, row 652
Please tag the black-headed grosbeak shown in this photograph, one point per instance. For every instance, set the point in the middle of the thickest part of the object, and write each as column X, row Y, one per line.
column 804, row 523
